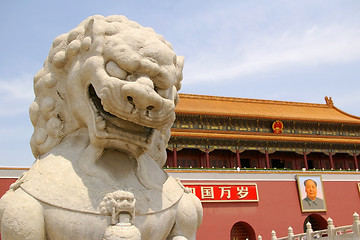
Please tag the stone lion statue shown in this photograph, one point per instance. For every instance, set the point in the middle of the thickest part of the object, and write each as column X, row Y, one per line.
column 104, row 105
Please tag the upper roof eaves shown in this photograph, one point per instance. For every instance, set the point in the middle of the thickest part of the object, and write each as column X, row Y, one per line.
column 258, row 108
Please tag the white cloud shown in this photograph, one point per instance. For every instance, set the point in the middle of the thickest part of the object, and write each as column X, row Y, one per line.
column 316, row 45
column 16, row 95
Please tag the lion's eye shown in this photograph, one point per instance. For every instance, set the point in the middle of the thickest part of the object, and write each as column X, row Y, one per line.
column 115, row 71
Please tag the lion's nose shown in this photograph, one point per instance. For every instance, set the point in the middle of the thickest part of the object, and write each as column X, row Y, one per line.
column 145, row 81
column 141, row 94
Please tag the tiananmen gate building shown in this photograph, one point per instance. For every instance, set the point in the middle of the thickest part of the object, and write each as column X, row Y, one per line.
column 250, row 162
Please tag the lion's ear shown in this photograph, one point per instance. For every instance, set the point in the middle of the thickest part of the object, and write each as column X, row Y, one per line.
column 180, row 62
column 179, row 67
column 89, row 30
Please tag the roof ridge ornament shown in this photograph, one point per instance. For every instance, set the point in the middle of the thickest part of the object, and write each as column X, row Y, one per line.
column 329, row 101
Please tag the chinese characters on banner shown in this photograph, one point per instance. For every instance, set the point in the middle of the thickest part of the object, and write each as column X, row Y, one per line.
column 224, row 192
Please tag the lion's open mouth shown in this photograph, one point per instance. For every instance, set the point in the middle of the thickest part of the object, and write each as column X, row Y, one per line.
column 115, row 123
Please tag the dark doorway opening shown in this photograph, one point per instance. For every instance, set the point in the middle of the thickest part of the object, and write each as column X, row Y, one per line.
column 317, row 222
column 242, row 231
column 245, row 163
column 277, row 163
column 310, row 164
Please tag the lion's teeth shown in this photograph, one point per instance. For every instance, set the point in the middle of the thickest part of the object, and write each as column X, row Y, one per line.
column 102, row 134
column 101, row 125
column 99, row 119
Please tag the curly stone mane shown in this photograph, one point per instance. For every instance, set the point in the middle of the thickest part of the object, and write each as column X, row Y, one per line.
column 49, row 113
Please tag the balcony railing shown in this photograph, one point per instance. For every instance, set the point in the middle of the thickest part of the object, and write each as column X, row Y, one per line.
column 350, row 232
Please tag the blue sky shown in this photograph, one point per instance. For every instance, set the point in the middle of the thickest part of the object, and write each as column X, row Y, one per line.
column 296, row 51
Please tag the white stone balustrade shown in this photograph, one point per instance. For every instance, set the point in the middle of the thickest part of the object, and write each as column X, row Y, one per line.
column 350, row 232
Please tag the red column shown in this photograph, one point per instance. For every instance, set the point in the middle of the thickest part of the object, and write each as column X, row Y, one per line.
column 175, row 157
column 231, row 160
column 331, row 161
column 305, row 161
column 297, row 162
column 356, row 162
column 207, row 165
column 238, row 158
column 321, row 163
column 293, row 163
column 267, row 159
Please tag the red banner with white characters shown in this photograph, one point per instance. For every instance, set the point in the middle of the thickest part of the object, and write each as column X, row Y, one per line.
column 224, row 191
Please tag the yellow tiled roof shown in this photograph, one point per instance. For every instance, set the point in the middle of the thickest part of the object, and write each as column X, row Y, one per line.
column 254, row 108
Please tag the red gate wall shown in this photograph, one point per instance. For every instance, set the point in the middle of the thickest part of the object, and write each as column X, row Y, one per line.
column 277, row 209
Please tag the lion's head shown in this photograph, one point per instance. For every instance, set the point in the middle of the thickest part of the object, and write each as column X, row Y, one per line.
column 115, row 78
